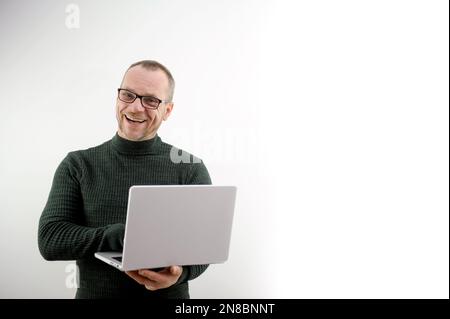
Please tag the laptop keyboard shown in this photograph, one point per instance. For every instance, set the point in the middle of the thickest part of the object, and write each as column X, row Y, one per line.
column 119, row 258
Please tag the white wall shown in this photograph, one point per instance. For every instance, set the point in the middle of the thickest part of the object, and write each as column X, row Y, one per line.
column 330, row 116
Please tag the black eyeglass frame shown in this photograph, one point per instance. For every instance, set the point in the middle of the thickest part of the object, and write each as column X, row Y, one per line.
column 140, row 98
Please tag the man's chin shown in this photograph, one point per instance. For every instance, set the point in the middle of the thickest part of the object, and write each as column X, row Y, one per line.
column 134, row 136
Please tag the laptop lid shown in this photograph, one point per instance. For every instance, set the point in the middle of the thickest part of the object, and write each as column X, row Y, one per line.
column 178, row 225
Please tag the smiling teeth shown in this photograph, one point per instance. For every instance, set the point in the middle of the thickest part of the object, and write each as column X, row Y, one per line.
column 135, row 120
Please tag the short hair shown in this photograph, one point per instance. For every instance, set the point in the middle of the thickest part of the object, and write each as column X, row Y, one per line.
column 155, row 65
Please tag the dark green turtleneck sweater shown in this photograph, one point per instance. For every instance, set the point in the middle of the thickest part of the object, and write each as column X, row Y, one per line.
column 88, row 203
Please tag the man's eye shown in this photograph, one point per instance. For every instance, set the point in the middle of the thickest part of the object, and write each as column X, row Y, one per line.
column 151, row 100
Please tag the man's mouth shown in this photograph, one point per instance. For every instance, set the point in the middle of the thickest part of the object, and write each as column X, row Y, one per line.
column 134, row 120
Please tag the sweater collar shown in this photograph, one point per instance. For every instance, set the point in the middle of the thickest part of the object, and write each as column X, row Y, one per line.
column 125, row 146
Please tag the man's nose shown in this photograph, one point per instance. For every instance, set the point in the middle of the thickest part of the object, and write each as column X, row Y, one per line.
column 136, row 106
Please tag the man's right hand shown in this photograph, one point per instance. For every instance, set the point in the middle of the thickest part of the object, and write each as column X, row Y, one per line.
column 114, row 236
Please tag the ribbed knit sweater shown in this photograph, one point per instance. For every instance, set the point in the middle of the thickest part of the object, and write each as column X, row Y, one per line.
column 88, row 199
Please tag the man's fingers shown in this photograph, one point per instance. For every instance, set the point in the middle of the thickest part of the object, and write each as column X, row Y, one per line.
column 150, row 287
column 175, row 270
column 152, row 275
column 142, row 280
column 156, row 280
column 137, row 277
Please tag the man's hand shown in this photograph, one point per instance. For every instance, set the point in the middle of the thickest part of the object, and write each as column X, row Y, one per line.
column 153, row 280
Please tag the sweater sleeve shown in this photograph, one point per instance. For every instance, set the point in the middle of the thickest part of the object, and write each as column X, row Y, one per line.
column 61, row 235
column 198, row 174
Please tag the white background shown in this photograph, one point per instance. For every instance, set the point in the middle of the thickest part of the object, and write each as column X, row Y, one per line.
column 330, row 116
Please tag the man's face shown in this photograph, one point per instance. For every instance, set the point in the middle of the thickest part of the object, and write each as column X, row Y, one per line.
column 137, row 123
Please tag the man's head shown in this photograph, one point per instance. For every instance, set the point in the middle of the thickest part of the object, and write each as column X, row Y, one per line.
column 150, row 81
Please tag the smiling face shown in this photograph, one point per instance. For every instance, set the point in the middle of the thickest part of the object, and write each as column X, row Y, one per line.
column 137, row 123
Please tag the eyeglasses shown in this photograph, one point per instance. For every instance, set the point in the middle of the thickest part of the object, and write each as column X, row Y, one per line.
column 148, row 102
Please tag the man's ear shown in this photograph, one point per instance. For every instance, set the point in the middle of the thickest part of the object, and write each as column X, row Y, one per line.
column 169, row 107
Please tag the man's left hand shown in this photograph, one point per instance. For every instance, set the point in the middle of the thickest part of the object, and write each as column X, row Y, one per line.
column 153, row 280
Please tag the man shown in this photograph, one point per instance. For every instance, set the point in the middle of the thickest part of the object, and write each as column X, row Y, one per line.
column 86, row 209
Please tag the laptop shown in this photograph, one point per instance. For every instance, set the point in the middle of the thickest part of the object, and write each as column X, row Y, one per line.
column 175, row 225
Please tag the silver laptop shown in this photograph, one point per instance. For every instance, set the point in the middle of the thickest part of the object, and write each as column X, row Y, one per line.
column 175, row 225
